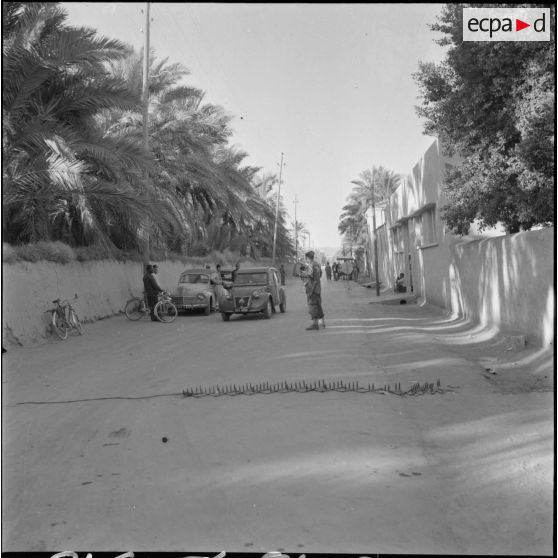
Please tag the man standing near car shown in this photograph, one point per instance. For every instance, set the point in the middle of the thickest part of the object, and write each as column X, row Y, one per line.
column 236, row 268
column 152, row 289
column 313, row 288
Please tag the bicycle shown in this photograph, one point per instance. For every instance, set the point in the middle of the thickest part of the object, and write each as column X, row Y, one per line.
column 64, row 317
column 137, row 308
column 165, row 310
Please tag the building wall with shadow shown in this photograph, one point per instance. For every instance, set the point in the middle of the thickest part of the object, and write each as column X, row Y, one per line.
column 493, row 279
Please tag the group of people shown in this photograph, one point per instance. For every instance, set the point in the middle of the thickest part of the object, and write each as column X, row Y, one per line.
column 311, row 275
column 337, row 270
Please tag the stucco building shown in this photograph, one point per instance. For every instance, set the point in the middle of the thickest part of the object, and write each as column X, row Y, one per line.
column 505, row 281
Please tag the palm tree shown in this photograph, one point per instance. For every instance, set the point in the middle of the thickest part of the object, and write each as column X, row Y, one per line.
column 63, row 178
column 211, row 193
column 373, row 188
column 299, row 231
column 73, row 163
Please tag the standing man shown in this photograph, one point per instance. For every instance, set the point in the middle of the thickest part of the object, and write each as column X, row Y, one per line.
column 328, row 271
column 236, row 268
column 282, row 272
column 217, row 280
column 313, row 288
column 152, row 289
column 155, row 272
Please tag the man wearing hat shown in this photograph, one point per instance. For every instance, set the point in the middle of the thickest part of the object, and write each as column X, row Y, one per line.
column 152, row 289
column 313, row 288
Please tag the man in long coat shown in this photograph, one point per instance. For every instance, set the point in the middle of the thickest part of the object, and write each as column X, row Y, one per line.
column 313, row 288
column 152, row 289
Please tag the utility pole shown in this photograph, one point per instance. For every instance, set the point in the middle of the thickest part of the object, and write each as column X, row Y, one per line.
column 296, row 231
column 375, row 241
column 145, row 103
column 277, row 210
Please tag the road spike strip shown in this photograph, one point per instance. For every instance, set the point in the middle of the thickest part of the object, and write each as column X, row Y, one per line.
column 304, row 386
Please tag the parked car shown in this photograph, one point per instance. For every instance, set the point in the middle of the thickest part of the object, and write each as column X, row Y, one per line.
column 195, row 290
column 255, row 289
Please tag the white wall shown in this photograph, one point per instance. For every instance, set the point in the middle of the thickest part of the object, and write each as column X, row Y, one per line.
column 103, row 288
column 505, row 281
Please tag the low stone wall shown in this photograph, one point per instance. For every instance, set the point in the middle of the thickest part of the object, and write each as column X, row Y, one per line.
column 103, row 287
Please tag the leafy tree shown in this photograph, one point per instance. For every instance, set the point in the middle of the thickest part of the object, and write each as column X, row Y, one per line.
column 492, row 105
column 263, row 228
column 218, row 202
column 74, row 167
column 373, row 185
column 63, row 179
column 299, row 231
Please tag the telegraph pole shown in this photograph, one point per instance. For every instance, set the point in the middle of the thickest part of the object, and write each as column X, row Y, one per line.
column 145, row 103
column 296, row 231
column 277, row 210
column 375, row 241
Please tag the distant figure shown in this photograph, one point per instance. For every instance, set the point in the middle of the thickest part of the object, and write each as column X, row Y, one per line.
column 328, row 271
column 236, row 268
column 356, row 271
column 217, row 280
column 400, row 284
column 282, row 272
column 335, row 271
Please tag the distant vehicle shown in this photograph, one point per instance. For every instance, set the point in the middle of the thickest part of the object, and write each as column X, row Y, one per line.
column 255, row 290
column 195, row 290
column 346, row 268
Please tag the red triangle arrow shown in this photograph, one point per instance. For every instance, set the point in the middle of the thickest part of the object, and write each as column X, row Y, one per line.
column 519, row 25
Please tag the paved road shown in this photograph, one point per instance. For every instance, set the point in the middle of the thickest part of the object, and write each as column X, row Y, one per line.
column 469, row 471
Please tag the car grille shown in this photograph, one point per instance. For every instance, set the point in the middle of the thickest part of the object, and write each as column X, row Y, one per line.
column 242, row 301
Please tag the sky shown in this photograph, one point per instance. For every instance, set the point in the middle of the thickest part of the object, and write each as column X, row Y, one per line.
column 328, row 85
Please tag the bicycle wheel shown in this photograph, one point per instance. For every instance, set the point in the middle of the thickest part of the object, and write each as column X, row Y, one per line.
column 60, row 325
column 166, row 311
column 75, row 321
column 133, row 309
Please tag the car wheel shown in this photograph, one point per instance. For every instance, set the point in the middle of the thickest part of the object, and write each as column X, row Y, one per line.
column 268, row 309
column 226, row 316
column 283, row 306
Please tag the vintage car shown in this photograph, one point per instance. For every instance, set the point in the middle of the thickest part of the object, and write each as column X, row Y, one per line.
column 255, row 289
column 196, row 290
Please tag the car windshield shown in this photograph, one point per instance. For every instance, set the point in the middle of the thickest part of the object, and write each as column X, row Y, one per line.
column 251, row 279
column 194, row 278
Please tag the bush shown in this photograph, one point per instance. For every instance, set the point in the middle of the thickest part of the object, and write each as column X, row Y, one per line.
column 57, row 252
column 9, row 255
column 92, row 253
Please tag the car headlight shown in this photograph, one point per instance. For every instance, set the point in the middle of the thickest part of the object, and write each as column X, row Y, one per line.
column 200, row 296
column 257, row 293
